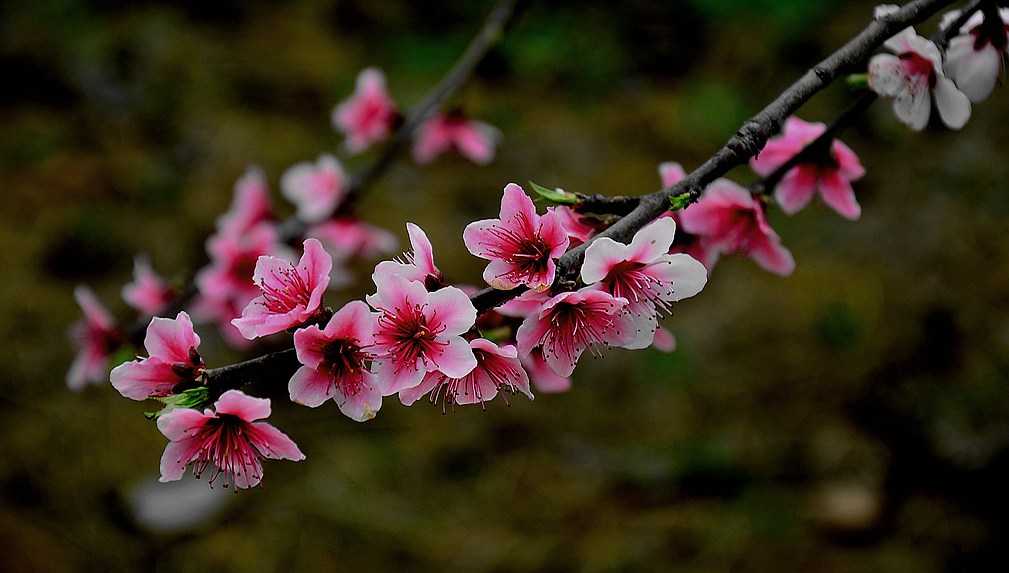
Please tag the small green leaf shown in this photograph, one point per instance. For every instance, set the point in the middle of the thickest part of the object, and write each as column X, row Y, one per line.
column 497, row 334
column 857, row 81
column 554, row 196
column 193, row 398
column 677, row 202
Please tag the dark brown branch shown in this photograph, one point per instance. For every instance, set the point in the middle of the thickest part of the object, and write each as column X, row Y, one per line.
column 750, row 139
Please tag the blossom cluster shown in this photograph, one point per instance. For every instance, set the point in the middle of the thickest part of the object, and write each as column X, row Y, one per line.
column 418, row 336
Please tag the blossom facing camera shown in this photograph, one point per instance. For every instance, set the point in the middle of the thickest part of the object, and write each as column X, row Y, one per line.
column 831, row 174
column 474, row 140
column 226, row 441
column 520, row 245
column 644, row 274
column 173, row 360
column 336, row 364
column 975, row 58
column 369, row 115
column 419, row 331
column 290, row 294
column 731, row 220
column 913, row 76
column 570, row 323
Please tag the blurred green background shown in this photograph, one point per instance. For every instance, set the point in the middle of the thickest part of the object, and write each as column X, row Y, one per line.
column 852, row 417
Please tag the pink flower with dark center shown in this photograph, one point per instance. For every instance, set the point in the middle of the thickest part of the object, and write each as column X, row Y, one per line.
column 336, row 361
column 148, row 293
column 367, row 116
column 228, row 442
column 250, row 206
column 97, row 336
column 174, row 359
column 520, row 245
column 571, row 322
column 418, row 331
column 497, row 370
column 475, row 140
column 291, row 294
column 688, row 243
column 975, row 58
column 315, row 189
column 416, row 265
column 831, row 174
column 913, row 77
column 644, row 274
column 731, row 220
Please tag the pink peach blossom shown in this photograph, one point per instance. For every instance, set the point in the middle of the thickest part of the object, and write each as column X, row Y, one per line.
column 290, row 294
column 731, row 220
column 418, row 331
column 336, row 363
column 497, row 369
column 578, row 228
column 975, row 58
column 644, row 274
column 367, row 116
column 832, row 174
column 914, row 77
column 97, row 336
column 571, row 322
column 520, row 245
column 227, row 442
column 315, row 189
column 174, row 359
column 148, row 293
column 475, row 140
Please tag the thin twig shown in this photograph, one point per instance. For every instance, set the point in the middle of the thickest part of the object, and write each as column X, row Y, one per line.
column 489, row 34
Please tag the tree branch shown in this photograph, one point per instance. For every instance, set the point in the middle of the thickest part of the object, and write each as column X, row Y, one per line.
column 750, row 138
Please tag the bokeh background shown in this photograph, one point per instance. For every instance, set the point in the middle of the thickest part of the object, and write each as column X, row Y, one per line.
column 852, row 417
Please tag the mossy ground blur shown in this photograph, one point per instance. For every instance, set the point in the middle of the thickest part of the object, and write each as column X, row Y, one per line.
column 852, row 417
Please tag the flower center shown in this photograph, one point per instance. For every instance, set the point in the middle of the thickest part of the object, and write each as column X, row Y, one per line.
column 347, row 360
column 408, row 335
column 917, row 67
column 225, row 448
column 287, row 290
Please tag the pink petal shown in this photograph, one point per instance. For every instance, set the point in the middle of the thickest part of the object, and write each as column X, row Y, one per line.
column 170, row 339
column 477, row 141
column 144, row 379
column 95, row 312
column 391, row 379
column 848, row 164
column 600, row 257
column 771, row 255
column 180, row 423
column 362, row 406
column 671, row 172
column 175, row 458
column 310, row 387
column 277, row 445
column 664, row 340
column 796, row 188
column 451, row 308
column 652, row 241
column 309, row 343
column 242, row 405
column 455, row 358
column 838, row 194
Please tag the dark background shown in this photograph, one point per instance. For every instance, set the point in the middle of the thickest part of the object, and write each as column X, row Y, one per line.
column 852, row 417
